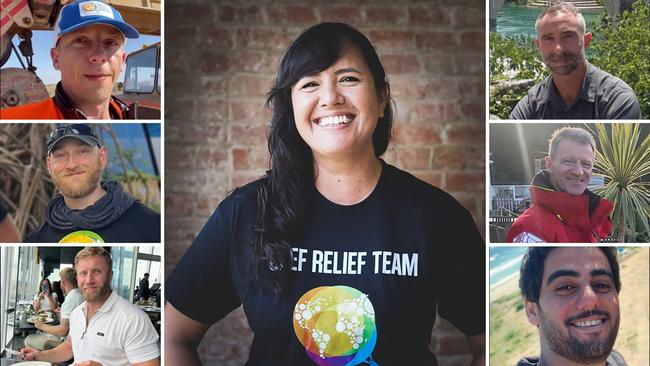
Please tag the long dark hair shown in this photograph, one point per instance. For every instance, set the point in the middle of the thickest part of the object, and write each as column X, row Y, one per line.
column 283, row 192
column 40, row 285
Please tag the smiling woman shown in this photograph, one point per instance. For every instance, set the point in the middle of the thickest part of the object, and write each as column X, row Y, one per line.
column 333, row 253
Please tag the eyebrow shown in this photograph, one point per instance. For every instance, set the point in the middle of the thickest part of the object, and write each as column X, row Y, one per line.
column 346, row 69
column 561, row 273
column 572, row 273
column 601, row 272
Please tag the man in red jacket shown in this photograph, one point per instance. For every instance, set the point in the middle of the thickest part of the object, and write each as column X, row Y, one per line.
column 564, row 210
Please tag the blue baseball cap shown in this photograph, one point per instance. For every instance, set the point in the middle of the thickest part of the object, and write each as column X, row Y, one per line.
column 82, row 13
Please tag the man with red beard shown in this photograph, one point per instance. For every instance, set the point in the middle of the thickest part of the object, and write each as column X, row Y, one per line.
column 563, row 209
column 87, row 211
column 571, row 296
column 105, row 329
column 575, row 89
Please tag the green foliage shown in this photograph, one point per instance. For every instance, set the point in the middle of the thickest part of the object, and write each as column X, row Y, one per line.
column 623, row 158
column 517, row 2
column 622, row 46
column 514, row 55
column 511, row 59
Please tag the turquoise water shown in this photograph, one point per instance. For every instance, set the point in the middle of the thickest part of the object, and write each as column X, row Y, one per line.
column 513, row 20
column 505, row 263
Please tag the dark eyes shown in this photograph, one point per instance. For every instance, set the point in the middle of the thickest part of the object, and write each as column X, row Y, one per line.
column 83, row 40
column 345, row 79
column 598, row 287
column 349, row 79
column 310, row 84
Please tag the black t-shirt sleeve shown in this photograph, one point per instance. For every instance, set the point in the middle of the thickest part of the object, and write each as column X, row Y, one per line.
column 623, row 106
column 462, row 274
column 522, row 110
column 201, row 286
column 3, row 212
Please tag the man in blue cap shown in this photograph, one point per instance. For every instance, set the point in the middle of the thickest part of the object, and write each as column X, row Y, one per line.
column 88, row 50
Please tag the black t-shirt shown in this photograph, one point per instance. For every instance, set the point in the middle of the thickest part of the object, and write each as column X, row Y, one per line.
column 388, row 262
column 138, row 224
column 3, row 212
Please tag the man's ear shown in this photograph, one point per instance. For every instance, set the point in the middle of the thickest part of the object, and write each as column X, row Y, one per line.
column 54, row 53
column 587, row 39
column 123, row 61
column 103, row 158
column 49, row 164
column 531, row 312
column 548, row 162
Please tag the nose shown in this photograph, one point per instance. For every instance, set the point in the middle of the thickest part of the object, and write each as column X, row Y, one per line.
column 587, row 299
column 330, row 95
column 578, row 170
column 71, row 163
column 97, row 53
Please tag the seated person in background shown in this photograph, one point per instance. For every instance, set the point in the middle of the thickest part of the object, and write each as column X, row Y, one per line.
column 51, row 334
column 575, row 89
column 45, row 299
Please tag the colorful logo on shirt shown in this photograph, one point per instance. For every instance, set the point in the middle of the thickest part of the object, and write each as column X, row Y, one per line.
column 82, row 237
column 336, row 325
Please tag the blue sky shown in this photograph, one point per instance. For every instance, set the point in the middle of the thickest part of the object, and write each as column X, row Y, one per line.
column 42, row 42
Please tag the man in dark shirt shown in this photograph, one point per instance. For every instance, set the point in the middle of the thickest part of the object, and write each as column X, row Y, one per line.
column 143, row 288
column 87, row 211
column 571, row 296
column 575, row 89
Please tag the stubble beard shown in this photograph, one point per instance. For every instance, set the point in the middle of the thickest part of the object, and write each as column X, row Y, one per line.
column 584, row 353
column 76, row 191
column 571, row 62
column 92, row 297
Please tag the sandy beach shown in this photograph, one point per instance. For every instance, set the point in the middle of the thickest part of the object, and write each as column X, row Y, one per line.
column 511, row 336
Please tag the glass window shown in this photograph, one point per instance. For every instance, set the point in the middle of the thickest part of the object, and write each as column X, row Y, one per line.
column 140, row 76
column 123, row 270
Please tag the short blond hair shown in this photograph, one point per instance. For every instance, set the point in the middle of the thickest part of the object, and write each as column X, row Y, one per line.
column 69, row 275
column 88, row 252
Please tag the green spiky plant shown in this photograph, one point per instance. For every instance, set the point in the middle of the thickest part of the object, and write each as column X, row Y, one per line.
column 622, row 158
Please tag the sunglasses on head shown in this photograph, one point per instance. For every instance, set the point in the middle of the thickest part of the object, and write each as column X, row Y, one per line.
column 75, row 129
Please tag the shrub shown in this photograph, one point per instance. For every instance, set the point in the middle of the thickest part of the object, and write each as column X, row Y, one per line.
column 622, row 46
column 512, row 58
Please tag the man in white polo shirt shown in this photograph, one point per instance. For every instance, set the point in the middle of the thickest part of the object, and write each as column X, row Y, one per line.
column 52, row 334
column 106, row 329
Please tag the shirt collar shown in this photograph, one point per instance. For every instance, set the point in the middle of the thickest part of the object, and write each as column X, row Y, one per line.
column 116, row 108
column 106, row 306
column 587, row 90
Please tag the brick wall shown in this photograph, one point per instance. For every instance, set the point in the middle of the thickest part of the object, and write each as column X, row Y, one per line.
column 220, row 61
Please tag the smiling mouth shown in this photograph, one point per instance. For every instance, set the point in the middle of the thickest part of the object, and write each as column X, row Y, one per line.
column 96, row 76
column 575, row 180
column 342, row 119
column 587, row 324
